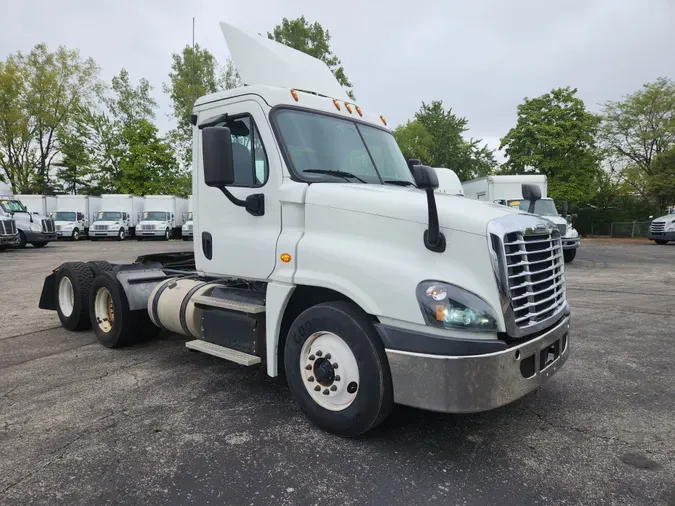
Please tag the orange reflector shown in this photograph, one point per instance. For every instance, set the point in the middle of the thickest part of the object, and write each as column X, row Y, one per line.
column 295, row 95
column 358, row 109
column 348, row 107
column 440, row 313
column 383, row 120
column 285, row 258
column 337, row 104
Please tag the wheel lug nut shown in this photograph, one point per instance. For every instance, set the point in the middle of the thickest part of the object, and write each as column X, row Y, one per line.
column 326, row 392
column 319, row 353
column 317, row 388
column 310, row 379
column 308, row 367
column 337, row 378
column 335, row 365
column 327, row 356
column 333, row 388
column 311, row 357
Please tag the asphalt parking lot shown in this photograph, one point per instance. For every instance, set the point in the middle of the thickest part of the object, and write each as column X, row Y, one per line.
column 157, row 424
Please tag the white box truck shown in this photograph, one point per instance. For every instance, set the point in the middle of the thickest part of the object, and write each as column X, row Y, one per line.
column 118, row 216
column 448, row 182
column 74, row 215
column 41, row 204
column 507, row 190
column 163, row 216
column 187, row 231
column 346, row 274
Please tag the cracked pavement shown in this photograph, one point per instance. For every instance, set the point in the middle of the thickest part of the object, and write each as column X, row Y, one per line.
column 158, row 424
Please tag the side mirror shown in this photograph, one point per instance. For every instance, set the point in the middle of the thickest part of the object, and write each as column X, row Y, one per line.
column 564, row 209
column 425, row 177
column 532, row 193
column 413, row 162
column 185, row 215
column 574, row 218
column 217, row 156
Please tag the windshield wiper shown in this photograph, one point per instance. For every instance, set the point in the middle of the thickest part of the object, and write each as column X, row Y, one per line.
column 338, row 173
column 399, row 182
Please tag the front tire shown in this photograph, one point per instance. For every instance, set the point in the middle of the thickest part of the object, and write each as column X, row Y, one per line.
column 660, row 241
column 569, row 254
column 73, row 282
column 337, row 369
column 115, row 325
column 167, row 234
column 76, row 235
column 22, row 240
column 121, row 235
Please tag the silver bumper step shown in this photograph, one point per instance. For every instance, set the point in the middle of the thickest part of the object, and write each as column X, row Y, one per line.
column 233, row 305
column 222, row 352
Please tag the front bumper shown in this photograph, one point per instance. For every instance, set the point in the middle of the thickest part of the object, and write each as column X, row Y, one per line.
column 570, row 242
column 469, row 384
column 662, row 236
column 150, row 233
column 9, row 240
column 104, row 233
column 39, row 236
column 64, row 233
column 187, row 233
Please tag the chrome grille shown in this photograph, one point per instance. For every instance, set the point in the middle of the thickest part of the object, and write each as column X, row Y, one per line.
column 148, row 227
column 657, row 226
column 190, row 226
column 563, row 229
column 48, row 226
column 100, row 227
column 535, row 276
column 7, row 227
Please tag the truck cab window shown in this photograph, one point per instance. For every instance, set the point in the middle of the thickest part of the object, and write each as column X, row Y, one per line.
column 248, row 152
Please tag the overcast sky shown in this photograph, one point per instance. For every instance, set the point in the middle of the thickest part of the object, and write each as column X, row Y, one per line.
column 481, row 57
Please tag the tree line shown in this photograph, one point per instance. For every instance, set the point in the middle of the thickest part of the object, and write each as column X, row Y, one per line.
column 62, row 129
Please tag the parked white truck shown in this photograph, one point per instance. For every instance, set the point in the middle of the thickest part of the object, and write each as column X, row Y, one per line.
column 662, row 229
column 74, row 214
column 326, row 258
column 187, row 230
column 163, row 216
column 506, row 190
column 34, row 227
column 118, row 216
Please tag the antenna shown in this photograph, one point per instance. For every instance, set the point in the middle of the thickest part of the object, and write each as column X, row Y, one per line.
column 192, row 70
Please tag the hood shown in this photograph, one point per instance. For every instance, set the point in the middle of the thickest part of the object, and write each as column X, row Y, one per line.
column 408, row 204
column 667, row 218
column 25, row 218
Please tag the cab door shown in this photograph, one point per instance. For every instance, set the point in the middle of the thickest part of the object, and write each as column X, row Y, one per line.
column 229, row 240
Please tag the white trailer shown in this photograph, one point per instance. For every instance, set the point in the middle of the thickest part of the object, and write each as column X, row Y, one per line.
column 163, row 216
column 74, row 215
column 448, row 182
column 499, row 189
column 348, row 275
column 41, row 204
column 187, row 230
column 118, row 216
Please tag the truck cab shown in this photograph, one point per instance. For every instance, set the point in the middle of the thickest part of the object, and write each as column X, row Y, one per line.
column 155, row 224
column 187, row 230
column 110, row 223
column 9, row 235
column 33, row 228
column 70, row 224
column 322, row 255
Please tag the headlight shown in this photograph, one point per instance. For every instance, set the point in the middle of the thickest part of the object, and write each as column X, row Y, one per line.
column 68, row 227
column 35, row 228
column 448, row 306
column 159, row 227
column 571, row 232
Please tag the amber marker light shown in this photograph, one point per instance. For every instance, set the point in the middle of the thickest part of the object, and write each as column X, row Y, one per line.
column 358, row 109
column 295, row 95
column 336, row 103
column 285, row 258
column 383, row 120
column 348, row 107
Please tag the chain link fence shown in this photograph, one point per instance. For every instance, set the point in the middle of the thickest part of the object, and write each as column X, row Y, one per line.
column 620, row 229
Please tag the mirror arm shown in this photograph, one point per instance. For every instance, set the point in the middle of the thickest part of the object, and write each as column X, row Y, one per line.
column 254, row 204
column 434, row 240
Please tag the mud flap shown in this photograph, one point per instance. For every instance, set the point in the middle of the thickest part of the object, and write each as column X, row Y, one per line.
column 48, row 295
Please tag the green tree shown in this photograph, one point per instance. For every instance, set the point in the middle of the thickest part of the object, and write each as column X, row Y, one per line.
column 435, row 137
column 46, row 89
column 639, row 129
column 555, row 135
column 229, row 77
column 661, row 184
column 311, row 38
column 74, row 168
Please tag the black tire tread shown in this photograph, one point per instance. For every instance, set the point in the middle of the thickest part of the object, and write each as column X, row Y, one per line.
column 81, row 278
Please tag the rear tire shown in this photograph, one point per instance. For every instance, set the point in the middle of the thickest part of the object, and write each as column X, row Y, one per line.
column 73, row 283
column 115, row 325
column 353, row 397
column 569, row 254
column 660, row 241
column 99, row 266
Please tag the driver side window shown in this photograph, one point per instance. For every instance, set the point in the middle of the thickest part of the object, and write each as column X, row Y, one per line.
column 248, row 152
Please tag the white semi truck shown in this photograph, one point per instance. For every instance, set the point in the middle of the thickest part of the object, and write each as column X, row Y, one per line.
column 33, row 225
column 118, row 216
column 74, row 214
column 163, row 216
column 187, row 230
column 506, row 190
column 324, row 257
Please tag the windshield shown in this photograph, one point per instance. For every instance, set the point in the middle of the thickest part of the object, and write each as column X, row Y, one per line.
column 155, row 216
column 543, row 207
column 189, row 217
column 12, row 206
column 108, row 216
column 64, row 216
column 317, row 142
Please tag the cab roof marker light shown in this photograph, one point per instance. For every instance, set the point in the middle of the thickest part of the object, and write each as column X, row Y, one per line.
column 358, row 109
column 348, row 107
column 337, row 104
column 383, row 120
column 295, row 95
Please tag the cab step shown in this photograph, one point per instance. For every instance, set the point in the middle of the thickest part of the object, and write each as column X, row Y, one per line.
column 222, row 352
column 233, row 305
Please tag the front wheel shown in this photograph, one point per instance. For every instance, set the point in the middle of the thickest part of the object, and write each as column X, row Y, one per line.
column 121, row 235
column 22, row 240
column 569, row 254
column 167, row 234
column 660, row 241
column 337, row 369
column 76, row 235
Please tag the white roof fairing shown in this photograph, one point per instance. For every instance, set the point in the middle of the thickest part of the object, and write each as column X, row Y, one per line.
column 261, row 61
